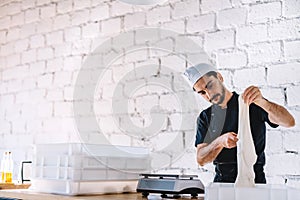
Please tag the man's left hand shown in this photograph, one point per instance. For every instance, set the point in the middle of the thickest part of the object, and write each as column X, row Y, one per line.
column 252, row 95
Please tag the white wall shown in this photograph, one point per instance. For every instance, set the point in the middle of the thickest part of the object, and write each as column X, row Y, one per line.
column 44, row 45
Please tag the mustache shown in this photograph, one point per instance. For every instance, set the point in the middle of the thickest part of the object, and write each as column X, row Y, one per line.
column 214, row 97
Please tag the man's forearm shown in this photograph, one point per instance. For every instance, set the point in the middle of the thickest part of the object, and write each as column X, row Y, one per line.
column 277, row 114
column 208, row 152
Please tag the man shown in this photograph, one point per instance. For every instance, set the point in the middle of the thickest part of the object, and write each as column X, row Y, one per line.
column 217, row 126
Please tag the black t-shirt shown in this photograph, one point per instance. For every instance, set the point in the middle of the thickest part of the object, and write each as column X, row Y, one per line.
column 215, row 121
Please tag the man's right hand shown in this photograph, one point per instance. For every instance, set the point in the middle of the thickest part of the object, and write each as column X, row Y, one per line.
column 208, row 152
column 229, row 140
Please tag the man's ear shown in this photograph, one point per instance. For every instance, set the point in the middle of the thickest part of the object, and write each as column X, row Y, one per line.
column 220, row 77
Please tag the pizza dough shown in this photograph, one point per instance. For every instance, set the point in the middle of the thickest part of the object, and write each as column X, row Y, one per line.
column 246, row 156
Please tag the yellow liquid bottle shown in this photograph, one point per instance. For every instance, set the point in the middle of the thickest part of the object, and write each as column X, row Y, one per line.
column 3, row 166
column 8, row 169
column 2, row 177
column 8, row 177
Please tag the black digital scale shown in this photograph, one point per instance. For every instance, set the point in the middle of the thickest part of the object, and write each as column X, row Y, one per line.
column 168, row 184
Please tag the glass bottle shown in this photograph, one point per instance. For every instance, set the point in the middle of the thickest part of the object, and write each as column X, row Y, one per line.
column 9, row 168
column 3, row 165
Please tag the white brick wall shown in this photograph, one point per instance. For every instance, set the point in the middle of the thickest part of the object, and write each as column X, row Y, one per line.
column 119, row 8
column 276, row 95
column 2, row 36
column 37, row 41
column 111, row 26
column 78, row 4
column 45, row 81
column 90, row 30
column 27, row 4
column 177, row 26
column 28, row 56
column 54, row 38
column 17, row 19
column 42, row 2
column 184, row 9
column 64, row 6
column 28, row 30
column 63, row 50
column 13, row 60
column 31, row 15
column 44, row 43
column 45, row 110
column 232, row 59
column 219, row 40
column 72, row 34
column 52, row 65
column 281, row 164
column 274, row 143
column 263, row 12
column 283, row 73
column 284, row 29
column 158, row 15
column 231, row 17
column 62, row 21
column 255, row 76
column 291, row 8
column 214, row 5
column 248, row 34
column 45, row 53
column 290, row 141
column 48, row 11
column 46, row 25
column 13, row 8
column 100, row 12
column 293, row 94
column 292, row 49
column 265, row 52
column 201, row 23
column 13, row 34
column 134, row 20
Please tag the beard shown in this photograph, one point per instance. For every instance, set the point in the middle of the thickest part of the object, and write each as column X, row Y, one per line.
column 220, row 95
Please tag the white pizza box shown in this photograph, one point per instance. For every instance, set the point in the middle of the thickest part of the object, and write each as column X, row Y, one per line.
column 225, row 191
column 75, row 168
column 70, row 187
column 76, row 161
column 85, row 161
column 84, row 174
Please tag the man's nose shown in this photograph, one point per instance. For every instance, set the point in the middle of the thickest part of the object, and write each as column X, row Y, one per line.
column 207, row 94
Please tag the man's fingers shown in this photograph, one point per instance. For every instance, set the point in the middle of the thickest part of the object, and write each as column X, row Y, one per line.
column 253, row 98
column 247, row 91
column 232, row 133
column 231, row 144
column 251, row 94
column 233, row 137
column 230, row 140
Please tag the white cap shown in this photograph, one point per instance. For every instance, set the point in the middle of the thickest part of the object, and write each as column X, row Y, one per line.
column 194, row 73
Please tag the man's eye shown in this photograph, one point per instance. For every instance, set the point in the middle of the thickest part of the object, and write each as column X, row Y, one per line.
column 209, row 86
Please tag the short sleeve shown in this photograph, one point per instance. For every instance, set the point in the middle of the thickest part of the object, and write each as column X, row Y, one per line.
column 266, row 118
column 202, row 127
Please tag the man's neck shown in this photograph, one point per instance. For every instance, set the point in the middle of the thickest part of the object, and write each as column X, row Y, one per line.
column 228, row 96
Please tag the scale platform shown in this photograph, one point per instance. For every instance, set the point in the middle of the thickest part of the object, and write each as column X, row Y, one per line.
column 169, row 184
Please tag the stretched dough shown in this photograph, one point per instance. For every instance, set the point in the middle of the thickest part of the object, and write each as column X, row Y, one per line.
column 246, row 156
